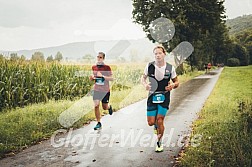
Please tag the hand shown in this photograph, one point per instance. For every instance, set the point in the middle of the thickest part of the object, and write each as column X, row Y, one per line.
column 92, row 77
column 147, row 86
column 169, row 87
column 99, row 74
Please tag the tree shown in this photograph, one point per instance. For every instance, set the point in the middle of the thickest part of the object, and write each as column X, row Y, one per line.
column 38, row 56
column 249, row 49
column 58, row 56
column 224, row 50
column 244, row 38
column 241, row 53
column 232, row 62
column 199, row 22
column 14, row 57
column 22, row 58
column 49, row 58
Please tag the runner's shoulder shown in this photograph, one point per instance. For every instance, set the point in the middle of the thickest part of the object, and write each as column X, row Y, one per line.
column 107, row 67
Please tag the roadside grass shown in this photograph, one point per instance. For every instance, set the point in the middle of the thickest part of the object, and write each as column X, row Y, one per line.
column 22, row 127
column 189, row 75
column 225, row 123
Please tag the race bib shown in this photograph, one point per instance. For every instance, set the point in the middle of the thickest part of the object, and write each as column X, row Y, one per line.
column 158, row 98
column 99, row 81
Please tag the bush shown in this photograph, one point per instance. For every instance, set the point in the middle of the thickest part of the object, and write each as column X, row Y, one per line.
column 232, row 62
column 241, row 53
column 183, row 69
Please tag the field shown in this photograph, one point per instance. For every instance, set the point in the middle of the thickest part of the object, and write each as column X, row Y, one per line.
column 225, row 123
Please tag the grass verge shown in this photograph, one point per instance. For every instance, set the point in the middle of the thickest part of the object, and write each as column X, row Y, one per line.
column 225, row 123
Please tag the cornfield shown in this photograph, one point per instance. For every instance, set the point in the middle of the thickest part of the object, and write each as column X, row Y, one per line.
column 23, row 83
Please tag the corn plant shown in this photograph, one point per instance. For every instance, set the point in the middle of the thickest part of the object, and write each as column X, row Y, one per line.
column 23, row 83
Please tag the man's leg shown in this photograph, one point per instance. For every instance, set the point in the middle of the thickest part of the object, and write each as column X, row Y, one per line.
column 160, row 132
column 160, row 120
column 97, row 114
column 97, row 110
column 151, row 115
column 105, row 106
column 151, row 120
column 160, row 124
column 105, row 103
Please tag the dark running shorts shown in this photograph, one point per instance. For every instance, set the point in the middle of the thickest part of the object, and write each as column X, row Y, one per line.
column 102, row 96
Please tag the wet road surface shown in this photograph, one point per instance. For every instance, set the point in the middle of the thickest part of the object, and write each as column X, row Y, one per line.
column 125, row 138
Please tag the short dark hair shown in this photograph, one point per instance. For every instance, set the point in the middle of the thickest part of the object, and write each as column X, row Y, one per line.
column 102, row 53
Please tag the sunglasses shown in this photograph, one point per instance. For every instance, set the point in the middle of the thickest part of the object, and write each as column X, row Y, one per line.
column 100, row 57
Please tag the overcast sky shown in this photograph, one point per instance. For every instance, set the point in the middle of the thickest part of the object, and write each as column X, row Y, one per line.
column 30, row 24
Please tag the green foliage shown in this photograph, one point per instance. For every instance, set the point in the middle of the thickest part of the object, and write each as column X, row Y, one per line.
column 198, row 22
column 58, row 56
column 23, row 83
column 244, row 38
column 38, row 56
column 49, row 59
column 22, row 58
column 239, row 24
column 232, row 62
column 14, row 57
column 241, row 54
column 25, row 126
column 183, row 69
column 225, row 123
column 249, row 49
column 241, row 32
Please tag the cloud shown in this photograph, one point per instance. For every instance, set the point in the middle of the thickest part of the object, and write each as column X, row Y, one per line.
column 236, row 8
column 29, row 24
column 122, row 29
column 44, row 13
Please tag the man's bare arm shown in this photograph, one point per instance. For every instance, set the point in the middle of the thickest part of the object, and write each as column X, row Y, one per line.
column 174, row 85
column 175, row 82
column 108, row 78
column 144, row 82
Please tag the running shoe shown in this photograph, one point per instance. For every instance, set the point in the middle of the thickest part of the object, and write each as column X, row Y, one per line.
column 159, row 147
column 98, row 126
column 110, row 110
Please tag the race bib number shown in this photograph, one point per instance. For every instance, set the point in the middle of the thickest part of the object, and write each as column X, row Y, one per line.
column 158, row 98
column 99, row 81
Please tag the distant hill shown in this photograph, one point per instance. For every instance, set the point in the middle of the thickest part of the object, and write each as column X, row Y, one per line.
column 239, row 24
column 127, row 49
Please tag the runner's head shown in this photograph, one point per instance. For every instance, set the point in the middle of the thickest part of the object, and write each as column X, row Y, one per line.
column 159, row 53
column 100, row 57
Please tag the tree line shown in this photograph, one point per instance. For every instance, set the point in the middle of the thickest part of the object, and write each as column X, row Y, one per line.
column 36, row 56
